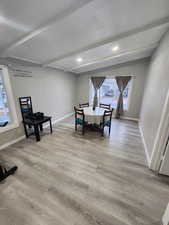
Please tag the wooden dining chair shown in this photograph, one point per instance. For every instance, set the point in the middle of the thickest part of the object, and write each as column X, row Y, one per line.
column 80, row 119
column 83, row 105
column 25, row 106
column 104, row 106
column 106, row 122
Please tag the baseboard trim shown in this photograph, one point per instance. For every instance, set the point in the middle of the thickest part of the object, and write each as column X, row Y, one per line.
column 22, row 137
column 11, row 142
column 60, row 119
column 130, row 118
column 127, row 118
column 145, row 146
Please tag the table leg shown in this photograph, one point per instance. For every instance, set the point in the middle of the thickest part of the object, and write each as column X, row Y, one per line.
column 36, row 128
column 50, row 126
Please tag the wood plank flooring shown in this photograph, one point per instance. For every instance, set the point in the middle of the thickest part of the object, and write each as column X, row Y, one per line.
column 70, row 179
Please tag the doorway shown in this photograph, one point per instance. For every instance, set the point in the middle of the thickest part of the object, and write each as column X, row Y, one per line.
column 160, row 157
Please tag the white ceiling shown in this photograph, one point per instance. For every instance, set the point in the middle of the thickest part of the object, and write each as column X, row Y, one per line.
column 54, row 33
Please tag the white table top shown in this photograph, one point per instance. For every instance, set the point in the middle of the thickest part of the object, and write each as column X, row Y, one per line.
column 88, row 111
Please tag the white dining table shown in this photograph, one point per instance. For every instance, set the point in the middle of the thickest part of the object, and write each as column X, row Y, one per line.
column 93, row 116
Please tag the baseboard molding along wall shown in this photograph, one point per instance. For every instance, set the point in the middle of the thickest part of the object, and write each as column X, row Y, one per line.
column 11, row 142
column 60, row 119
column 130, row 118
column 127, row 118
column 145, row 146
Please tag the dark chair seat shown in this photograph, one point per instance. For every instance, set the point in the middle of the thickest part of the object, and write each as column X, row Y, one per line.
column 106, row 123
column 80, row 121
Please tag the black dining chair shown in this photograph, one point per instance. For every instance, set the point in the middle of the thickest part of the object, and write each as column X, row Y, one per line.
column 83, row 105
column 106, row 122
column 25, row 106
column 104, row 106
column 80, row 119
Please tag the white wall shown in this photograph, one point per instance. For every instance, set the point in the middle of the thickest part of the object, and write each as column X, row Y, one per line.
column 155, row 94
column 53, row 92
column 137, row 68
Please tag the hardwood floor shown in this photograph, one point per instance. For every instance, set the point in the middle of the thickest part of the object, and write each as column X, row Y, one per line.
column 70, row 179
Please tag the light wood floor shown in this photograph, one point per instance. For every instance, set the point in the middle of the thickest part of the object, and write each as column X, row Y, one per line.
column 68, row 179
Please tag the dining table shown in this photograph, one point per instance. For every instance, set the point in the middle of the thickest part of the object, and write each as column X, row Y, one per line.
column 93, row 116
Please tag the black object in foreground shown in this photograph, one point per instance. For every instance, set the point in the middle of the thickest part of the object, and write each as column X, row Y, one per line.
column 4, row 173
column 3, row 124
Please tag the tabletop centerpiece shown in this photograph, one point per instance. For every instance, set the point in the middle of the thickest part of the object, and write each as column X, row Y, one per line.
column 94, row 107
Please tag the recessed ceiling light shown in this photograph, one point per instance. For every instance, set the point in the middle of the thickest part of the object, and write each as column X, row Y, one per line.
column 79, row 59
column 115, row 48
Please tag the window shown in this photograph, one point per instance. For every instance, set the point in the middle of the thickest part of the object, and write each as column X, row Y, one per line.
column 8, row 117
column 4, row 107
column 109, row 93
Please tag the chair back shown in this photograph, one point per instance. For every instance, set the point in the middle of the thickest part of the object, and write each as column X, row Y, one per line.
column 107, row 115
column 83, row 105
column 104, row 106
column 79, row 113
column 25, row 106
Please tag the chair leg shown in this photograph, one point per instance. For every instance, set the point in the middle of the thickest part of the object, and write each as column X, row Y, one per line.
column 83, row 130
column 76, row 126
column 109, row 129
column 26, row 132
column 50, row 122
column 41, row 127
column 102, row 132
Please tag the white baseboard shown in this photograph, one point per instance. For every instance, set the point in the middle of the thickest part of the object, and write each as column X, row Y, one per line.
column 127, row 118
column 60, row 119
column 165, row 218
column 130, row 118
column 11, row 142
column 22, row 137
column 145, row 146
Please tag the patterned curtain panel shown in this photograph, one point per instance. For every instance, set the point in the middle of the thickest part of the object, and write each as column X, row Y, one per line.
column 97, row 83
column 122, row 82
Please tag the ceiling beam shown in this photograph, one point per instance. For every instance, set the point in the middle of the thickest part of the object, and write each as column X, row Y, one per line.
column 24, row 59
column 122, row 54
column 45, row 26
column 146, row 27
column 58, row 68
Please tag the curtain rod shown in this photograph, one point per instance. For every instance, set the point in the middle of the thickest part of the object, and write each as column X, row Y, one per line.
column 113, row 75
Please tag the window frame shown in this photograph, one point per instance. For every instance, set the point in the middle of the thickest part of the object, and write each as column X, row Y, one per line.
column 11, row 102
column 111, row 77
